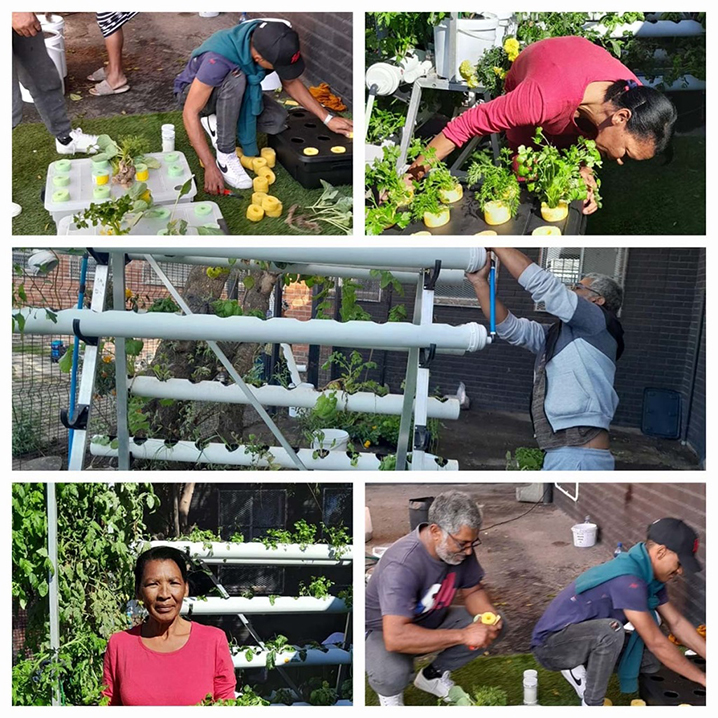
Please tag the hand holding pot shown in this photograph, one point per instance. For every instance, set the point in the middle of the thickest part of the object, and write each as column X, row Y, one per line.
column 589, row 205
column 478, row 635
column 26, row 24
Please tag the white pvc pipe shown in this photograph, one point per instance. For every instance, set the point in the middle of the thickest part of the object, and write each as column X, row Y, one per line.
column 304, row 397
column 214, row 606
column 258, row 553
column 332, row 656
column 187, row 452
column 684, row 83
column 661, row 28
column 468, row 259
column 209, row 327
column 338, row 703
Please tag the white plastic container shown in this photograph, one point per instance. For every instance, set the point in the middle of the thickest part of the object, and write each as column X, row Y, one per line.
column 168, row 138
column 584, row 535
column 473, row 38
column 55, row 23
column 333, row 440
column 55, row 44
column 208, row 14
column 530, row 687
column 368, row 527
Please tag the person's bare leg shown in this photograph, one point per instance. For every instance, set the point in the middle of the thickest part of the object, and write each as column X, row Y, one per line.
column 115, row 75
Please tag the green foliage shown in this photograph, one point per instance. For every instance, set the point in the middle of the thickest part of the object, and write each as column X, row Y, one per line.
column 353, row 366
column 350, row 309
column 232, row 308
column 318, row 587
column 525, row 459
column 333, row 208
column 247, row 697
column 166, row 305
column 386, row 122
column 96, row 525
column 26, row 432
column 390, row 35
column 498, row 181
column 555, row 175
column 489, row 696
column 117, row 215
column 324, row 696
column 386, row 192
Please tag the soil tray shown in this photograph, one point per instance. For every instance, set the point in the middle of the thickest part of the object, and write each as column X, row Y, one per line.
column 467, row 218
column 666, row 688
column 196, row 214
column 305, row 130
column 164, row 184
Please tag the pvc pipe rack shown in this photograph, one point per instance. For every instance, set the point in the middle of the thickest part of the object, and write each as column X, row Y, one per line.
column 216, row 453
column 213, row 606
column 331, row 656
column 398, row 336
column 257, row 553
column 304, row 397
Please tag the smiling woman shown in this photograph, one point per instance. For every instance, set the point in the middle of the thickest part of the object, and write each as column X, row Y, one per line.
column 167, row 660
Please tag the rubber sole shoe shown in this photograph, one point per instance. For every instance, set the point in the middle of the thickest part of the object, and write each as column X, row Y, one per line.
column 80, row 142
column 209, row 124
column 577, row 678
column 438, row 687
column 232, row 171
column 397, row 700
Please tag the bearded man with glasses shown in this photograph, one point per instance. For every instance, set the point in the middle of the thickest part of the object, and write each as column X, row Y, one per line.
column 409, row 600
column 573, row 400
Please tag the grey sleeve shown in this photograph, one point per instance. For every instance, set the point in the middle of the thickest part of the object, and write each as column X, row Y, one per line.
column 560, row 301
column 523, row 333
column 398, row 591
column 473, row 573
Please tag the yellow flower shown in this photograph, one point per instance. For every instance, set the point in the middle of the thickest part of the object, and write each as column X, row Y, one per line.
column 367, row 444
column 512, row 48
column 499, row 71
column 128, row 294
column 107, row 359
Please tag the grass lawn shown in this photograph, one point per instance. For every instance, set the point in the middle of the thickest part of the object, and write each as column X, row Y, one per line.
column 33, row 149
column 506, row 673
column 654, row 198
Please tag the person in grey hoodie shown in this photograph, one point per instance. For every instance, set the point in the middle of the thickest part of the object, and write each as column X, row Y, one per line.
column 573, row 400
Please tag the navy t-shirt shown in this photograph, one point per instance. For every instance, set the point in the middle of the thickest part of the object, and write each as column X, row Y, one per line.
column 608, row 600
column 409, row 582
column 209, row 68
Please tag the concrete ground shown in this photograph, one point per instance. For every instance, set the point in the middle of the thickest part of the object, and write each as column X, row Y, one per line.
column 479, row 439
column 157, row 46
column 527, row 560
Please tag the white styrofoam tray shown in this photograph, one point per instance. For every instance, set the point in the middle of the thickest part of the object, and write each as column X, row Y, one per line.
column 196, row 214
column 163, row 187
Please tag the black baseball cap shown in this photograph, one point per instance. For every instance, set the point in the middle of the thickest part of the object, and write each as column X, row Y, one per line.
column 679, row 537
column 279, row 44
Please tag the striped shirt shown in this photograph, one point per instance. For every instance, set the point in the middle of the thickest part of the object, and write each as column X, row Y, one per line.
column 110, row 22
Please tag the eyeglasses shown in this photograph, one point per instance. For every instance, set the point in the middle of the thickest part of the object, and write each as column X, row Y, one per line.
column 462, row 545
column 577, row 285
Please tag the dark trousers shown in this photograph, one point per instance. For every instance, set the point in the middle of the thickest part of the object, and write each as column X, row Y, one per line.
column 596, row 644
column 32, row 66
column 225, row 102
column 390, row 673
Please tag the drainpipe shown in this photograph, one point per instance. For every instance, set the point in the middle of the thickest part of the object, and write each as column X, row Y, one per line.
column 694, row 371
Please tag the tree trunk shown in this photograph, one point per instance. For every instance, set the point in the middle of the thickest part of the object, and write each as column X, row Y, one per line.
column 185, row 501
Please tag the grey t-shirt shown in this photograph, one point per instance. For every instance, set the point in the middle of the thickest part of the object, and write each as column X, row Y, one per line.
column 409, row 582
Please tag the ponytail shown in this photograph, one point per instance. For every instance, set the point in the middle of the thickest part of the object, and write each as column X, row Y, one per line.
column 653, row 115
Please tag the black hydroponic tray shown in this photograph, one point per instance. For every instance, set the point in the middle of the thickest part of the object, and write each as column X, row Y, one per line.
column 467, row 218
column 305, row 130
column 666, row 688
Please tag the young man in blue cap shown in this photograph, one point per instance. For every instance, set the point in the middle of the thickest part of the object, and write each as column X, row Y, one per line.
column 220, row 91
column 583, row 632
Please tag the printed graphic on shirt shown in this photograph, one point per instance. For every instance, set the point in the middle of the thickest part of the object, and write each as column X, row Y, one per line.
column 439, row 597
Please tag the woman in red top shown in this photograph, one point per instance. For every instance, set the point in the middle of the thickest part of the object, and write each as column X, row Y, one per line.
column 570, row 87
column 167, row 660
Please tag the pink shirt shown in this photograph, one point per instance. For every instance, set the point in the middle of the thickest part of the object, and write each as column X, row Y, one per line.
column 138, row 676
column 544, row 87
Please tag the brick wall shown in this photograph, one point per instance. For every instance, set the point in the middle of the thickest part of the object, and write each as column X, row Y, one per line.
column 661, row 318
column 623, row 513
column 326, row 39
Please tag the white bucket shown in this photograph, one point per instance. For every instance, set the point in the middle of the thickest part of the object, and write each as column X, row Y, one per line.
column 473, row 38
column 584, row 535
column 55, row 45
column 334, row 440
column 208, row 14
column 368, row 528
column 56, row 23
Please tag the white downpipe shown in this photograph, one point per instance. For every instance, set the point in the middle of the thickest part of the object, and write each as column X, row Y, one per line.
column 261, row 604
column 447, row 276
column 187, row 452
column 291, row 657
column 258, row 553
column 304, row 397
column 206, row 327
column 469, row 259
column 661, row 28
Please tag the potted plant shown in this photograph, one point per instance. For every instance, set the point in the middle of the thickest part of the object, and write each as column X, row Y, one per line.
column 438, row 188
column 555, row 175
column 387, row 194
column 498, row 194
column 125, row 157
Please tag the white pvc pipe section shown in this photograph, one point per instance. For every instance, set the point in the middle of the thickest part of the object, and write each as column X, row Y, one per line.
column 468, row 259
column 338, row 703
column 214, row 606
column 187, row 452
column 258, row 553
column 304, row 397
column 209, row 327
column 332, row 656
column 684, row 83
column 661, row 28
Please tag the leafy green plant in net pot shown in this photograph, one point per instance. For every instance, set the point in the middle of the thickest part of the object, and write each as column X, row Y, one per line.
column 499, row 190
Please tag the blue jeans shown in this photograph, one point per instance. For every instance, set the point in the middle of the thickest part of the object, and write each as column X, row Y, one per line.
column 576, row 458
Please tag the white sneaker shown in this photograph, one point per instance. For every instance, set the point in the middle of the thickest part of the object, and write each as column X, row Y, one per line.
column 81, row 142
column 232, row 171
column 438, row 687
column 210, row 127
column 397, row 700
column 577, row 678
